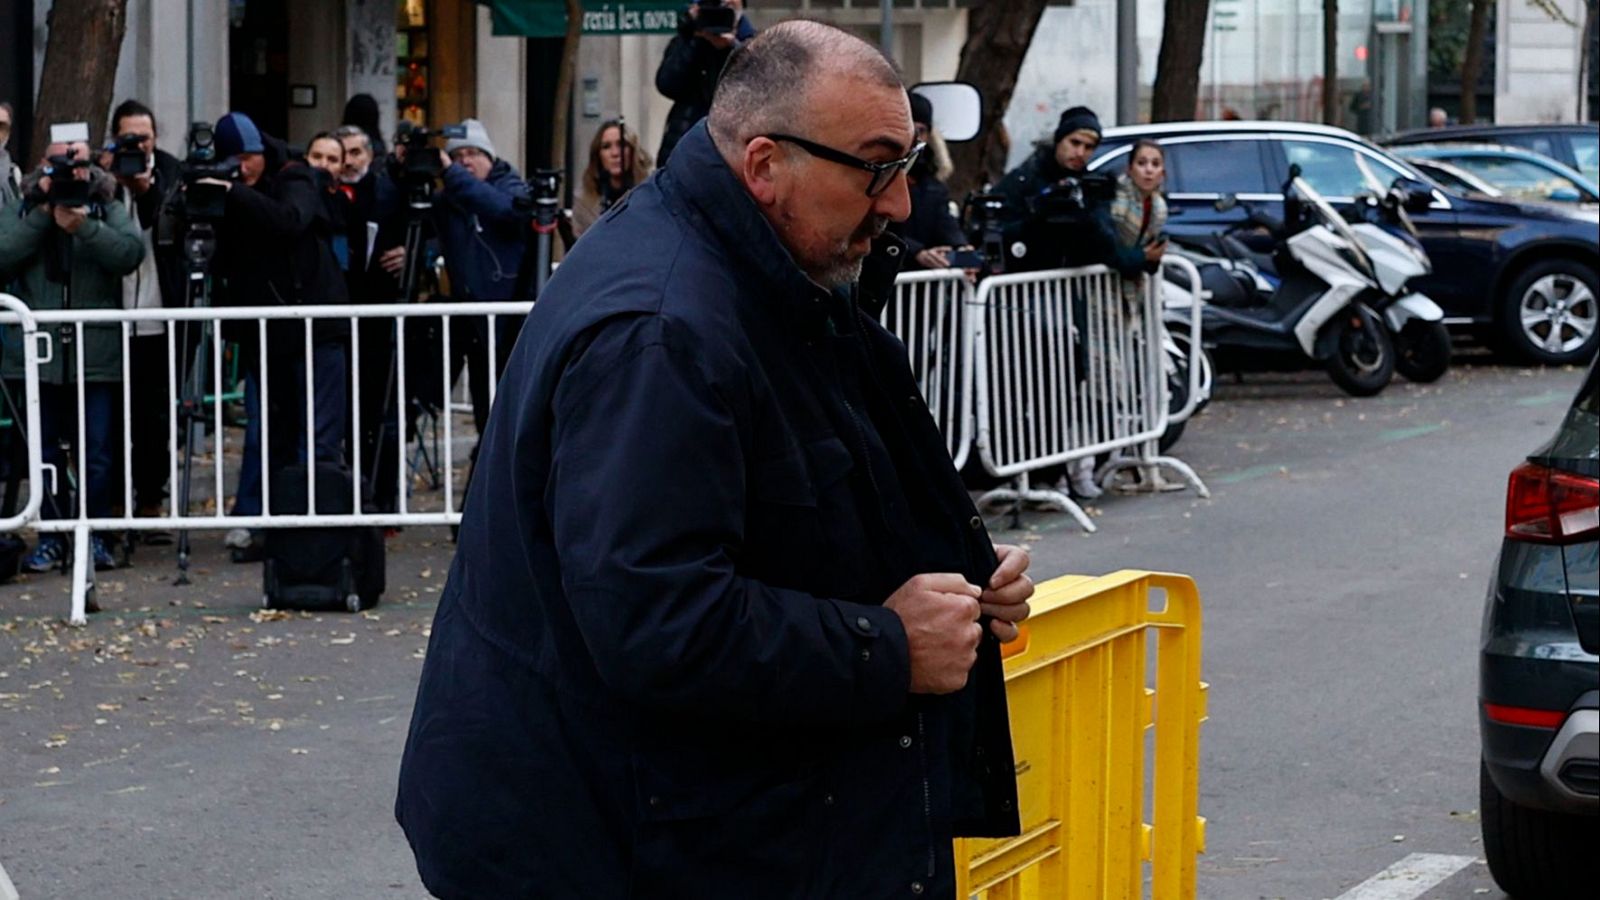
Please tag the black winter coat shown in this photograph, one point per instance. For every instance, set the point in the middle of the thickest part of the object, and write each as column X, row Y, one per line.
column 660, row 666
column 275, row 248
column 688, row 77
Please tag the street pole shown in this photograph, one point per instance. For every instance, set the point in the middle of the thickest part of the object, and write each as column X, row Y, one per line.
column 1127, row 62
column 886, row 30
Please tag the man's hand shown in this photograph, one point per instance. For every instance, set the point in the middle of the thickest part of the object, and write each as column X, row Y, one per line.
column 1154, row 252
column 446, row 160
column 139, row 184
column 69, row 218
column 940, row 615
column 393, row 260
column 933, row 257
column 1006, row 599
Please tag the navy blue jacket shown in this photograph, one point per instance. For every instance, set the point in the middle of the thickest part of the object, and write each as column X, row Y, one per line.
column 661, row 666
column 483, row 237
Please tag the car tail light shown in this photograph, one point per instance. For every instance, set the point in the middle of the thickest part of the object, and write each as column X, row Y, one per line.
column 1551, row 507
column 1517, row 715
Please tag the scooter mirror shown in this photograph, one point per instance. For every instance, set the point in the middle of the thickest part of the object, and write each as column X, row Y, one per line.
column 1418, row 194
column 957, row 108
column 1226, row 202
column 1294, row 171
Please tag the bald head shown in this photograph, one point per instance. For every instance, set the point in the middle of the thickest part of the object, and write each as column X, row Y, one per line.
column 771, row 83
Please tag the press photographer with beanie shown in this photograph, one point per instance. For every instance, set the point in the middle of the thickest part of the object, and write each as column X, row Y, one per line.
column 484, row 238
column 275, row 248
column 1072, row 237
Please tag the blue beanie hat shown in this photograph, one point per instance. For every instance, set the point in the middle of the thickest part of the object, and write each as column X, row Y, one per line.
column 236, row 134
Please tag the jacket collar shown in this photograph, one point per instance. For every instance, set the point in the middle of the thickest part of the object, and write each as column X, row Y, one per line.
column 698, row 175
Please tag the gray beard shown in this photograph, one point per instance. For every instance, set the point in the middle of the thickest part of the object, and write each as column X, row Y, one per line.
column 839, row 274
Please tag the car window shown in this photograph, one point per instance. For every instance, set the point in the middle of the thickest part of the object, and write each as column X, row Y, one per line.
column 1579, row 436
column 1337, row 170
column 1541, row 144
column 1518, row 178
column 1446, row 178
column 1586, row 151
column 1115, row 165
column 1216, row 167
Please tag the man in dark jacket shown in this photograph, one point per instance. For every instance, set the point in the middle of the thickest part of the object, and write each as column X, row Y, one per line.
column 932, row 231
column 160, row 281
column 713, row 626
column 688, row 72
column 275, row 248
column 484, row 238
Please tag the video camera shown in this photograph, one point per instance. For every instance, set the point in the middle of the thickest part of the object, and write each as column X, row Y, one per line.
column 66, row 189
column 205, row 202
column 1066, row 201
column 422, row 165
column 715, row 17
column 128, row 158
column 980, row 215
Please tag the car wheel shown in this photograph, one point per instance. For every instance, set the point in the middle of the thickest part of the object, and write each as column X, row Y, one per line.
column 1362, row 361
column 1533, row 853
column 1551, row 314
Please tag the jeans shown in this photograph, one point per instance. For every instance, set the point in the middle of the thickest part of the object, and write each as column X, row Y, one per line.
column 286, row 376
column 57, row 422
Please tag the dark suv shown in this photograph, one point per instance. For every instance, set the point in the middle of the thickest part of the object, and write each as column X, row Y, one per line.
column 1538, row 669
column 1572, row 144
column 1520, row 274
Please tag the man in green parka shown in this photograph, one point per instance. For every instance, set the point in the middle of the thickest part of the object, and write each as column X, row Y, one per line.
column 65, row 250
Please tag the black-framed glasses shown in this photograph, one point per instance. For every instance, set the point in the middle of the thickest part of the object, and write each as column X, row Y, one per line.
column 883, row 173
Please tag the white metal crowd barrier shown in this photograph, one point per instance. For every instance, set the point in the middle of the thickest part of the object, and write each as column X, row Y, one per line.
column 209, row 463
column 1031, row 370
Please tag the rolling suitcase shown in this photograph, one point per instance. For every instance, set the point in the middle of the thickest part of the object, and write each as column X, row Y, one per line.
column 320, row 568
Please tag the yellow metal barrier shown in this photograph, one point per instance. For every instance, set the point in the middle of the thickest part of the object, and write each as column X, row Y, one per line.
column 1088, row 701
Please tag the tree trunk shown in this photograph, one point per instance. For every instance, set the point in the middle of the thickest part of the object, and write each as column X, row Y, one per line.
column 1176, row 96
column 1472, row 64
column 998, row 35
column 564, row 82
column 80, row 67
column 1330, row 62
column 1587, row 39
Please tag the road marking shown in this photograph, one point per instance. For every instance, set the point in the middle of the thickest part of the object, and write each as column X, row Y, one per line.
column 8, row 891
column 1409, row 878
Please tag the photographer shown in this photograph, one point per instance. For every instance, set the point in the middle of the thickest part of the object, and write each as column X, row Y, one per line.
column 147, row 177
column 689, row 69
column 484, row 238
column 276, row 248
column 67, row 245
column 932, row 231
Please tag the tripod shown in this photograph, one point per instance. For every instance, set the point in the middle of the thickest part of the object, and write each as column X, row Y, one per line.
column 543, row 210
column 199, row 247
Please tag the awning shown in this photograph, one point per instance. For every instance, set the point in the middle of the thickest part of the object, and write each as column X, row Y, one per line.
column 548, row 18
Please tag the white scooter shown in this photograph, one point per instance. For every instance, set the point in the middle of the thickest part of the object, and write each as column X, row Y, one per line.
column 1341, row 297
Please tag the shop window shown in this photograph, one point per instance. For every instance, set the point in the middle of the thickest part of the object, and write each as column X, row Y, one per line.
column 412, row 82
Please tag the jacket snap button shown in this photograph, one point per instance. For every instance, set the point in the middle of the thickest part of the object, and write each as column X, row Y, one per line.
column 655, row 801
column 916, row 888
column 827, row 800
column 905, row 741
column 975, row 523
column 864, row 623
column 894, row 251
column 866, row 656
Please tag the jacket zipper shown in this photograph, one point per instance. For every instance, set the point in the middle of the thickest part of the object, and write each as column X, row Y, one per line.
column 927, row 791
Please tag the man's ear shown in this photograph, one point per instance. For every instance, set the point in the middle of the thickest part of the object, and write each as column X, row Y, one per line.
column 759, row 170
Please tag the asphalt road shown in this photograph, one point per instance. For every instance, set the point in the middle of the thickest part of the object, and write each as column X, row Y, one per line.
column 185, row 745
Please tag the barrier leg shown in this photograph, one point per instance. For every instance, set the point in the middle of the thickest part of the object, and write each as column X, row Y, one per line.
column 1149, row 464
column 1020, row 493
column 82, row 578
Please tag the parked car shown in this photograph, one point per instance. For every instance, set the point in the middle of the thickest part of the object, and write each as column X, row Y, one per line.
column 1539, row 668
column 1520, row 175
column 1454, row 178
column 1572, row 144
column 1521, row 274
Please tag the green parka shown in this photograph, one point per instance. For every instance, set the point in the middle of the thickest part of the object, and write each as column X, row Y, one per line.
column 107, row 247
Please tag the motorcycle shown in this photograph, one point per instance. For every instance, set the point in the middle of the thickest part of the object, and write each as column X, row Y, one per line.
column 1328, row 291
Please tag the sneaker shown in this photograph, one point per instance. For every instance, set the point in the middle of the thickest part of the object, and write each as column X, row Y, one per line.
column 47, row 554
column 1080, row 476
column 103, row 560
column 237, row 539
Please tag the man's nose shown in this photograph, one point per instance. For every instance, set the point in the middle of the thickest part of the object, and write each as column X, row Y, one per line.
column 894, row 203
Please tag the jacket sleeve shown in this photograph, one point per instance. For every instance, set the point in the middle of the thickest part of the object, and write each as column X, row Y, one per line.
column 114, row 243
column 21, row 233
column 647, row 500
column 678, row 76
column 1127, row 260
column 287, row 217
column 491, row 203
